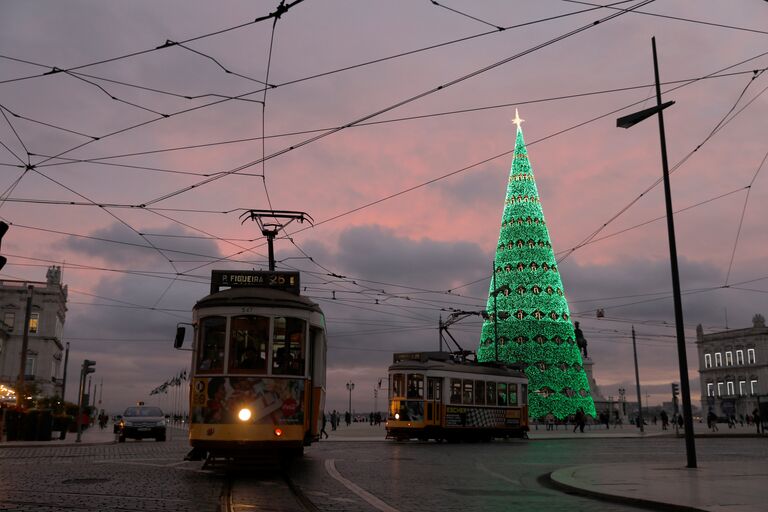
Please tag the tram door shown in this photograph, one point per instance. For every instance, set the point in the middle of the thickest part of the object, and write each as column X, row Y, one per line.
column 434, row 400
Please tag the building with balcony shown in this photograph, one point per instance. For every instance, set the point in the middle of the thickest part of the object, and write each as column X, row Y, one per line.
column 733, row 368
column 44, row 365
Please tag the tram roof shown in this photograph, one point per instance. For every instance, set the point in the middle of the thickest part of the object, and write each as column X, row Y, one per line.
column 260, row 297
column 445, row 361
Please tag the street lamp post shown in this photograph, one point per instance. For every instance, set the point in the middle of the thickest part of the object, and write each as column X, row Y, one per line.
column 627, row 122
column 637, row 383
column 623, row 401
column 350, row 387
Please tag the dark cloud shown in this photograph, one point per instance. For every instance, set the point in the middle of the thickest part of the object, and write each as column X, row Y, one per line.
column 120, row 244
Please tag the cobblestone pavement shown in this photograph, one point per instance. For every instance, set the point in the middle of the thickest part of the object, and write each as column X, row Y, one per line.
column 337, row 476
column 142, row 476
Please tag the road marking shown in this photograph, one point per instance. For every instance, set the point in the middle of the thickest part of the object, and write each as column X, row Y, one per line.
column 499, row 475
column 330, row 466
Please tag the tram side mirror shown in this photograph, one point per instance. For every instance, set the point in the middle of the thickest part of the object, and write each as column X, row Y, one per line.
column 179, row 341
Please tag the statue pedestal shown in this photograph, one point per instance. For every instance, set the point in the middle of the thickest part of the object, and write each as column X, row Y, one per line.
column 594, row 390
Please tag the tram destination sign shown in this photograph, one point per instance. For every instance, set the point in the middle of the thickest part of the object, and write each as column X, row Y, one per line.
column 288, row 281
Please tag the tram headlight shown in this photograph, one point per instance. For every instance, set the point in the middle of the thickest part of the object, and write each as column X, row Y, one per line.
column 244, row 414
column 397, row 415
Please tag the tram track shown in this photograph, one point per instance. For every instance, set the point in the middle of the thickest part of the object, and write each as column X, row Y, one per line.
column 256, row 492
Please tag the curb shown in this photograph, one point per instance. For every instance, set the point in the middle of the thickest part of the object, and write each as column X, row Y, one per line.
column 558, row 480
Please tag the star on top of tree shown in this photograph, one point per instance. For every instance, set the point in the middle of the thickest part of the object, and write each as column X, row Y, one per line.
column 517, row 120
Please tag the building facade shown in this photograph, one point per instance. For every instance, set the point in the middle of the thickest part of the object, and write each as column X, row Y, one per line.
column 733, row 368
column 44, row 365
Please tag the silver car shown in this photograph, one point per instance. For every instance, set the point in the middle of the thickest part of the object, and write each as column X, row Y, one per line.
column 142, row 422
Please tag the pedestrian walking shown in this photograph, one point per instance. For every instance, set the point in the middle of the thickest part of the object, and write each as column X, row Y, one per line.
column 664, row 420
column 579, row 421
column 322, row 430
column 712, row 420
column 756, row 418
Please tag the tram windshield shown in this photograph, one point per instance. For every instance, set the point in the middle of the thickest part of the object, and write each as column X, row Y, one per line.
column 249, row 338
column 213, row 332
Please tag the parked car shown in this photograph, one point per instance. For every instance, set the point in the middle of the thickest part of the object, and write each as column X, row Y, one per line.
column 141, row 422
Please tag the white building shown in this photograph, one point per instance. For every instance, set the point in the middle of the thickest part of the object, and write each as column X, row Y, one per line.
column 733, row 368
column 44, row 360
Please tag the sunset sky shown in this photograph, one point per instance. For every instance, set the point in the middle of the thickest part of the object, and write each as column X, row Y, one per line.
column 389, row 122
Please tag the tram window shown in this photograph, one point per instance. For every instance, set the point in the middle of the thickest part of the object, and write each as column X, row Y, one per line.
column 480, row 392
column 248, row 339
column 512, row 393
column 288, row 347
column 524, row 394
column 502, row 392
column 213, row 332
column 455, row 391
column 490, row 393
column 398, row 384
column 468, row 387
column 433, row 388
column 415, row 385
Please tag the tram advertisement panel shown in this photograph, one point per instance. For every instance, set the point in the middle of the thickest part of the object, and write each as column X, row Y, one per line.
column 273, row 401
column 475, row 417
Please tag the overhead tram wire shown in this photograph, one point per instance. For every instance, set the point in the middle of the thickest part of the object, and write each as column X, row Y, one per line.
column 457, row 287
column 49, row 125
column 505, row 153
column 189, row 226
column 497, row 27
column 396, row 105
column 741, row 219
column 676, row 18
column 242, row 96
column 98, row 161
column 115, row 98
column 18, row 137
column 111, row 214
column 264, row 114
column 383, row 121
column 74, row 266
column 279, row 11
column 721, row 124
column 662, row 217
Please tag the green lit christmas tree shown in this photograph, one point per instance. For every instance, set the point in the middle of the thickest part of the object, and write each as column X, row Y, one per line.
column 529, row 321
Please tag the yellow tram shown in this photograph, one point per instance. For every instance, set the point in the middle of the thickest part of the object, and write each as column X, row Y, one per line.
column 258, row 366
column 444, row 396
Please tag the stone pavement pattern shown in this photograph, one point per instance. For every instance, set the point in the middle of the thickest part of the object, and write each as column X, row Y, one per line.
column 728, row 485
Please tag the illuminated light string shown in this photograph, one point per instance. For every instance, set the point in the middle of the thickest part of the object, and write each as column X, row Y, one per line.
column 529, row 322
